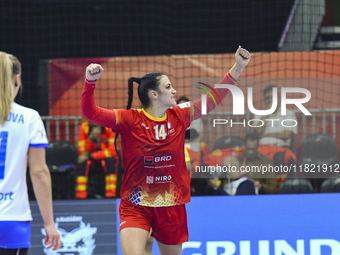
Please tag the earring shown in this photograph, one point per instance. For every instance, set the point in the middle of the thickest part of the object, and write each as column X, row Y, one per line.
column 16, row 84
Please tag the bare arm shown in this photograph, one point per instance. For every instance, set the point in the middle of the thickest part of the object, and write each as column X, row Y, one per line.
column 41, row 181
column 89, row 109
column 242, row 58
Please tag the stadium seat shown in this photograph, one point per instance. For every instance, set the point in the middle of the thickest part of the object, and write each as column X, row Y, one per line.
column 62, row 154
column 331, row 185
column 61, row 159
column 296, row 186
column 228, row 142
column 319, row 149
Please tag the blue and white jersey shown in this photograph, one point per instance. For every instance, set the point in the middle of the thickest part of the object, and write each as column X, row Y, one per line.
column 23, row 129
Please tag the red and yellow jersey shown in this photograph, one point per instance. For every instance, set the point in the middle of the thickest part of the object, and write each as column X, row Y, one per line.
column 153, row 156
column 152, row 148
column 105, row 147
column 217, row 156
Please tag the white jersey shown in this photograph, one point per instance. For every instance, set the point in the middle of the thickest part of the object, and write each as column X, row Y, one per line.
column 23, row 129
column 276, row 126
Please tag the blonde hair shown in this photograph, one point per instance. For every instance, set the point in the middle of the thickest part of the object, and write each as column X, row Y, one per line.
column 9, row 67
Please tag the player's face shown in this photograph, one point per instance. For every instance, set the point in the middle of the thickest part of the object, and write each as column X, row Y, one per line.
column 166, row 92
column 251, row 149
column 268, row 99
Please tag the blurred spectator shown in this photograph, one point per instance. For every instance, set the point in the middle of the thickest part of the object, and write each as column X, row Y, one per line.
column 276, row 141
column 272, row 132
column 265, row 182
column 196, row 151
column 217, row 155
column 195, row 147
column 96, row 153
column 187, row 159
column 238, row 182
column 333, row 129
column 184, row 99
column 213, row 188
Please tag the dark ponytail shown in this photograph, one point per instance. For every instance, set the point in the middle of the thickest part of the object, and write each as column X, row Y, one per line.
column 145, row 84
column 130, row 92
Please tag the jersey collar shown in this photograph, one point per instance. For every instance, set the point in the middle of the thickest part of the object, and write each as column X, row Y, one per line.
column 152, row 117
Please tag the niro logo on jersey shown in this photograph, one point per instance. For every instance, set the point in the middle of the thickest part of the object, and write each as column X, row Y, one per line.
column 163, row 178
column 158, row 179
column 149, row 179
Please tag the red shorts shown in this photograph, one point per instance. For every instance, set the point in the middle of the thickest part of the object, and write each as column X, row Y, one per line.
column 169, row 224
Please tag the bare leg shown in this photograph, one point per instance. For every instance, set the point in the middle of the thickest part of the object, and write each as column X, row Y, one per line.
column 165, row 249
column 148, row 245
column 133, row 240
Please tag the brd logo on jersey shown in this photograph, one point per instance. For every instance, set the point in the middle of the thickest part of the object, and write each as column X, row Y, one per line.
column 151, row 159
column 162, row 158
column 148, row 159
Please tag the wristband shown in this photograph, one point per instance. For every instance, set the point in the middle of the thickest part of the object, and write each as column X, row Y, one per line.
column 90, row 82
column 228, row 75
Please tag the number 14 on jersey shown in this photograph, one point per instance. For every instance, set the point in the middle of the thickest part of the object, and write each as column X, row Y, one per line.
column 160, row 132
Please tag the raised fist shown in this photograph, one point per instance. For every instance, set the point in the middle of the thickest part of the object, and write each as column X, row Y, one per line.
column 93, row 72
column 242, row 56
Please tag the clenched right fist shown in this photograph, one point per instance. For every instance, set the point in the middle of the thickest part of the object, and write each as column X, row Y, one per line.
column 93, row 72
